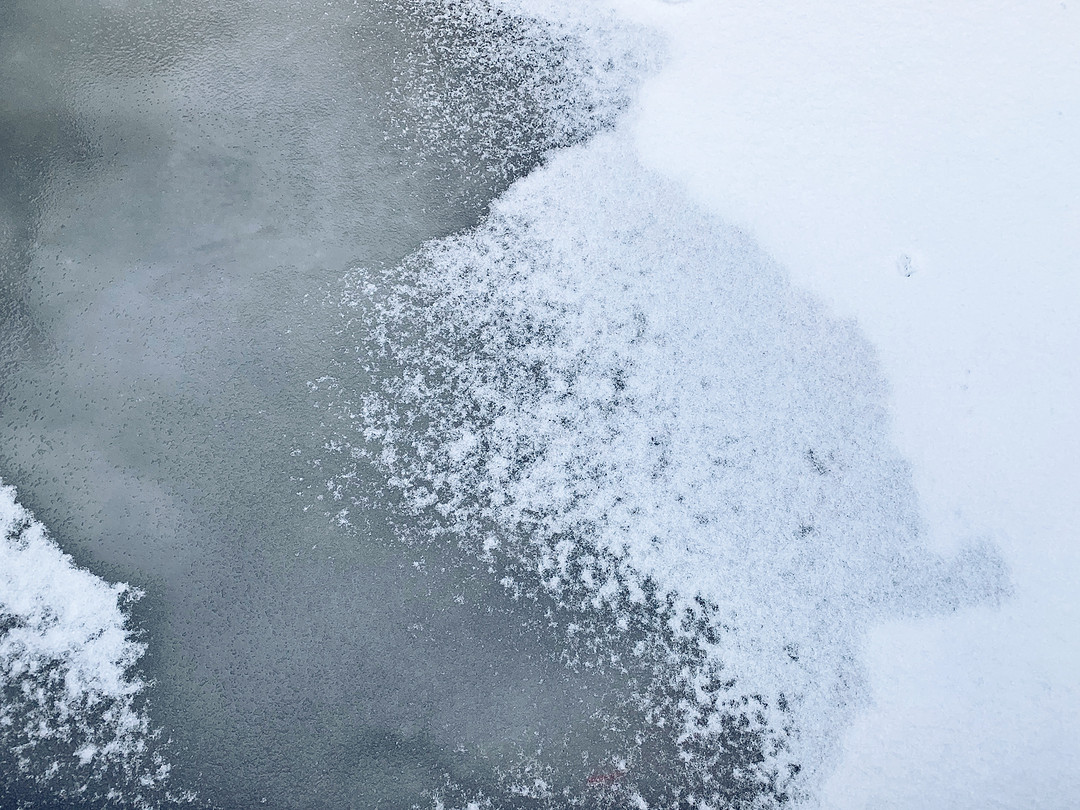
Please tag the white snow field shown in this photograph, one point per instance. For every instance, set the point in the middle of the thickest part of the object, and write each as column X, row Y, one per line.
column 915, row 165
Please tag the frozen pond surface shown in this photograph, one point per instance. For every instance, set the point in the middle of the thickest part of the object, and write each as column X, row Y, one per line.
column 580, row 505
column 182, row 191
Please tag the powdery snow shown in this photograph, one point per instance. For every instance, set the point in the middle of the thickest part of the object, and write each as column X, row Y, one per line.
column 602, row 362
column 70, row 721
column 914, row 165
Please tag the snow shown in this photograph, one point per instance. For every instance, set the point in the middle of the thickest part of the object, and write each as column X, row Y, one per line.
column 912, row 169
column 914, row 165
column 603, row 362
column 60, row 612
column 67, row 660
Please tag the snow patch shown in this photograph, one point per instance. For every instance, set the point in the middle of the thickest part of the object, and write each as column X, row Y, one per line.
column 71, row 721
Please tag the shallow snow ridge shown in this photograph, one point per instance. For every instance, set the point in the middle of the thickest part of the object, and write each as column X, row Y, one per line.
column 70, row 721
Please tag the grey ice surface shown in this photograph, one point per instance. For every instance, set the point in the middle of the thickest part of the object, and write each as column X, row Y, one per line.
column 181, row 185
